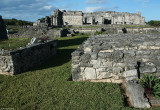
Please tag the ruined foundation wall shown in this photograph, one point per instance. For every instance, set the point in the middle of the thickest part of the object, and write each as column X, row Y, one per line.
column 72, row 18
column 21, row 60
column 116, row 56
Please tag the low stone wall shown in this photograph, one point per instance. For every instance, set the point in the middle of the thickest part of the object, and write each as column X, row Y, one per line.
column 116, row 56
column 23, row 59
column 87, row 30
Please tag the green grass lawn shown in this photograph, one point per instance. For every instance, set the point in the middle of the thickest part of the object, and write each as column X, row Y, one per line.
column 49, row 86
column 14, row 43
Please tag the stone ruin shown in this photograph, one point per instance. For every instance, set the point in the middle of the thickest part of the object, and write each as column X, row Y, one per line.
column 118, row 57
column 3, row 32
column 25, row 58
column 59, row 18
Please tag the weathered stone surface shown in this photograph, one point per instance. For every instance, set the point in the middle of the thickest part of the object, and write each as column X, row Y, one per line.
column 3, row 32
column 130, row 73
column 155, row 102
column 148, row 69
column 59, row 18
column 136, row 95
column 24, row 59
column 76, row 74
column 90, row 73
column 124, row 56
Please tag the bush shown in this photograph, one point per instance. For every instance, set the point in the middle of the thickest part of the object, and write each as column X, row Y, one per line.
column 151, row 84
column 154, row 23
column 16, row 22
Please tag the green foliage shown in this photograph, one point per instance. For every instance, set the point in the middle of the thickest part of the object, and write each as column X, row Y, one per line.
column 98, row 33
column 151, row 84
column 14, row 21
column 42, row 19
column 14, row 43
column 154, row 23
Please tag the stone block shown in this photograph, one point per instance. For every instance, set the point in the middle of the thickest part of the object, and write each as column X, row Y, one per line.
column 136, row 95
column 122, row 65
column 85, row 57
column 107, row 64
column 76, row 74
column 148, row 69
column 106, row 75
column 90, row 73
column 96, row 63
column 94, row 56
column 117, row 70
column 129, row 53
column 130, row 73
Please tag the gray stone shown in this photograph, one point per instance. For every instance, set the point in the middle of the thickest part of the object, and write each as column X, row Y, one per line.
column 154, row 101
column 117, row 70
column 129, row 53
column 90, row 73
column 85, row 57
column 94, row 56
column 136, row 95
column 148, row 69
column 96, row 63
column 130, row 73
column 106, row 75
column 23, row 59
column 77, row 53
column 76, row 76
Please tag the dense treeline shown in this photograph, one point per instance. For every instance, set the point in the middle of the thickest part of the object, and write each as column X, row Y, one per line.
column 154, row 23
column 16, row 22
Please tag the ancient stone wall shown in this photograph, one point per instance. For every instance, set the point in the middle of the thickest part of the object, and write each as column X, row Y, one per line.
column 72, row 18
column 95, row 18
column 116, row 56
column 3, row 32
column 23, row 59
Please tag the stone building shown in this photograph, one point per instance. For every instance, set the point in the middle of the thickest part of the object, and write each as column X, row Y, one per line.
column 59, row 18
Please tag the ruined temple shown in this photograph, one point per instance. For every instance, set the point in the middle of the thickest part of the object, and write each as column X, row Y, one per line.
column 59, row 18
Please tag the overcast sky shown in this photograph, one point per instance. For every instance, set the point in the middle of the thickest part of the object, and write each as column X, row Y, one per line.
column 31, row 10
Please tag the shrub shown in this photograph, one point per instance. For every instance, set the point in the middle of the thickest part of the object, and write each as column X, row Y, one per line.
column 154, row 23
column 151, row 84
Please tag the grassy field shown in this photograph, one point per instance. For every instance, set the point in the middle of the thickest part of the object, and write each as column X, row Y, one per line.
column 14, row 43
column 49, row 86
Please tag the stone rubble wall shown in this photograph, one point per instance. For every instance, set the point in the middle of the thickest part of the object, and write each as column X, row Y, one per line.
column 116, row 56
column 24, row 59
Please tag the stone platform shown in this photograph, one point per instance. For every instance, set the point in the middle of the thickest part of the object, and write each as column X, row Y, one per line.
column 116, row 56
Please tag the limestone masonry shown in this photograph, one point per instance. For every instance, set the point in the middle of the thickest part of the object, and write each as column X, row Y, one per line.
column 59, row 18
column 116, row 56
column 23, row 59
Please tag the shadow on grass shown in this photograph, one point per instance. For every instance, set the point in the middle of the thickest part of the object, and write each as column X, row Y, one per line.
column 71, row 42
column 62, row 56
